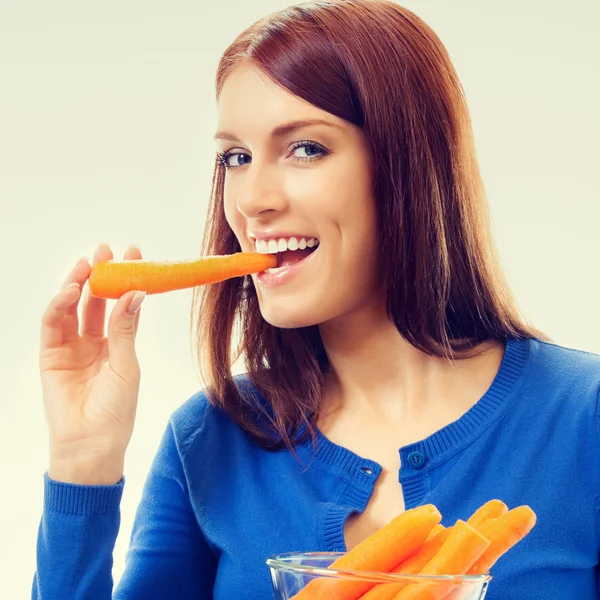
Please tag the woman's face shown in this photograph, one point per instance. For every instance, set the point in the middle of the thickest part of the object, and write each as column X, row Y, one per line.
column 303, row 189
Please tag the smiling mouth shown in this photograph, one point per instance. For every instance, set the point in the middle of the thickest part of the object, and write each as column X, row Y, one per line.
column 288, row 251
column 292, row 257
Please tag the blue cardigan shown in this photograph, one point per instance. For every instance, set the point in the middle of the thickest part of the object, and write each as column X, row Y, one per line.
column 215, row 505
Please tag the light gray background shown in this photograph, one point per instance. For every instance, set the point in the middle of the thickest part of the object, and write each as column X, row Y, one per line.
column 106, row 118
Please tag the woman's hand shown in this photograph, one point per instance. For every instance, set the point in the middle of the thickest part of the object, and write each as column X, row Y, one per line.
column 90, row 382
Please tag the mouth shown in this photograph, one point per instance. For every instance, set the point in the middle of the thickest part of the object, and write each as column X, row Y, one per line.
column 289, row 251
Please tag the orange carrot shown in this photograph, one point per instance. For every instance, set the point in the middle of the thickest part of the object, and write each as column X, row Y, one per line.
column 411, row 566
column 439, row 527
column 111, row 279
column 490, row 510
column 460, row 551
column 380, row 552
column 415, row 563
column 495, row 529
column 503, row 533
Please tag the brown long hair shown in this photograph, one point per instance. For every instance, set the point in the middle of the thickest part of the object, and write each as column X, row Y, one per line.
column 380, row 67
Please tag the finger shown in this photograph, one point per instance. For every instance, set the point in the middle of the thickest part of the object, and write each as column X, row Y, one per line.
column 53, row 319
column 121, row 335
column 134, row 253
column 76, row 274
column 70, row 324
column 136, row 321
column 94, row 309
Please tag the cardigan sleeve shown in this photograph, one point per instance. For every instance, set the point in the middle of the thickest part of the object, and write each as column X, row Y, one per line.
column 168, row 556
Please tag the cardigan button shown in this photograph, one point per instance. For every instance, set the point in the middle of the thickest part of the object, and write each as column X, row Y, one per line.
column 417, row 460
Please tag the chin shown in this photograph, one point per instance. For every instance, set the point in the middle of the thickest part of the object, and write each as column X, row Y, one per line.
column 289, row 321
column 290, row 317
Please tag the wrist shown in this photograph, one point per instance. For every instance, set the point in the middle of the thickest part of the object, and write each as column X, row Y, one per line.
column 92, row 470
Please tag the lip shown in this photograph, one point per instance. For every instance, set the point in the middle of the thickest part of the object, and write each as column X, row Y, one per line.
column 285, row 273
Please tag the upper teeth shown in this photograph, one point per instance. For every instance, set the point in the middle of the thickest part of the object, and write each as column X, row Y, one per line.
column 281, row 245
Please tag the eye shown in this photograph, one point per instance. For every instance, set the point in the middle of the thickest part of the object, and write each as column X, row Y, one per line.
column 307, row 151
column 233, row 160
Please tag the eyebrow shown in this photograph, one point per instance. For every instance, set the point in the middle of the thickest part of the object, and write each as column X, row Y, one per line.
column 280, row 130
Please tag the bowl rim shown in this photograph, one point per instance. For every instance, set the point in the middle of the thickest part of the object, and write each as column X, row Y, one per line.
column 282, row 562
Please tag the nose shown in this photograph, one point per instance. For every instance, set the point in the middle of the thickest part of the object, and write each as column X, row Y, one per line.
column 261, row 192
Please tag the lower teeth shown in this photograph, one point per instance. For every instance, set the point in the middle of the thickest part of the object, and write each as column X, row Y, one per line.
column 277, row 269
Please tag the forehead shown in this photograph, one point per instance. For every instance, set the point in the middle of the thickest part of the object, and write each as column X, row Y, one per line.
column 249, row 96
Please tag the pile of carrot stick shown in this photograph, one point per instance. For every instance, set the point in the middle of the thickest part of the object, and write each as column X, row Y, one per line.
column 415, row 543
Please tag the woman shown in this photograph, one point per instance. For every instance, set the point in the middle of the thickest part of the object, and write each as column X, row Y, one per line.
column 387, row 365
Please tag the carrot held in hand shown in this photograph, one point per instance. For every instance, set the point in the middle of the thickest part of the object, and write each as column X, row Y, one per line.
column 380, row 552
column 112, row 279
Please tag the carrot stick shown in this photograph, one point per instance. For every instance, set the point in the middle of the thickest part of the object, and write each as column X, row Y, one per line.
column 503, row 533
column 411, row 566
column 415, row 563
column 521, row 519
column 460, row 551
column 111, row 279
column 380, row 552
column 439, row 527
column 490, row 510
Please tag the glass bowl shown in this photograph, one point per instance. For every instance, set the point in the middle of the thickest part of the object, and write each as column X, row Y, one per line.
column 309, row 573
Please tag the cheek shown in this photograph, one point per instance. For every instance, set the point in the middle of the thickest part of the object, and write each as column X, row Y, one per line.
column 346, row 189
column 358, row 225
column 232, row 215
column 363, row 250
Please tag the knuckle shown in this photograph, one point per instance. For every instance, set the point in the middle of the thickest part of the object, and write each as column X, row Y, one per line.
column 124, row 330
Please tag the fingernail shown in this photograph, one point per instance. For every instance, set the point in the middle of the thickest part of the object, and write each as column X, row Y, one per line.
column 136, row 302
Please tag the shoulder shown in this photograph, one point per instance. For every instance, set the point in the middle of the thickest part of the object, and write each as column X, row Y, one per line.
column 198, row 420
column 570, row 365
column 554, row 353
column 569, row 376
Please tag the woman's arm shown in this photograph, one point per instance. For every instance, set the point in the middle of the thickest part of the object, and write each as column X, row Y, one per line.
column 167, row 558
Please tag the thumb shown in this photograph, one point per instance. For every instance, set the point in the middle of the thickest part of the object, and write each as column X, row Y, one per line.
column 121, row 334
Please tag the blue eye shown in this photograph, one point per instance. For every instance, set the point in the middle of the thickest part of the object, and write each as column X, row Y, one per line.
column 232, row 160
column 310, row 151
column 305, row 151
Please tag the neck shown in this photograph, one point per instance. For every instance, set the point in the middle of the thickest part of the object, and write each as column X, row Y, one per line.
column 373, row 369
